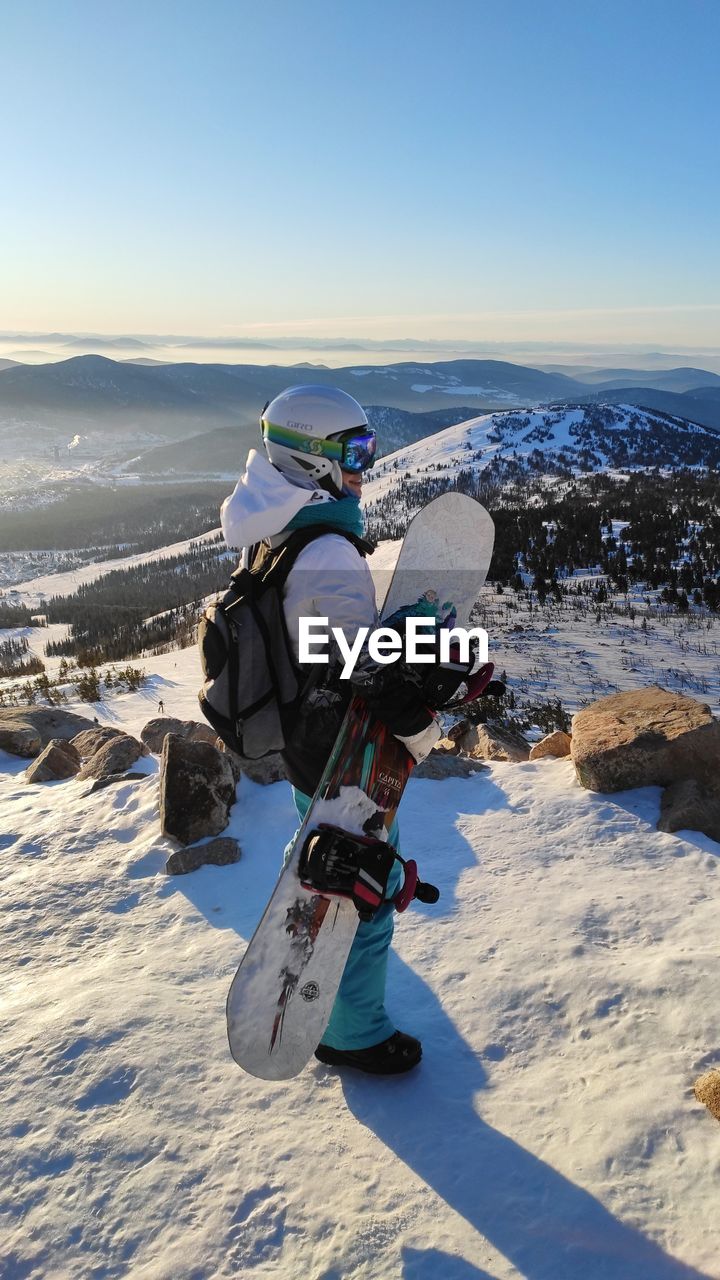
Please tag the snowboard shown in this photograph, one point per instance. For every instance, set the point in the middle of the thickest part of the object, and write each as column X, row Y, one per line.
column 282, row 995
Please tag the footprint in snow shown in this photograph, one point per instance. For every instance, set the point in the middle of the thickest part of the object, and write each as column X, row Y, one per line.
column 125, row 904
column 108, row 1092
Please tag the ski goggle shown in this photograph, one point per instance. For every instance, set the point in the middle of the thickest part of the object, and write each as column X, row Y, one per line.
column 358, row 449
column 353, row 449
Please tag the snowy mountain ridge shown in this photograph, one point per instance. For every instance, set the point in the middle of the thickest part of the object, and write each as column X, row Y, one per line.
column 564, row 439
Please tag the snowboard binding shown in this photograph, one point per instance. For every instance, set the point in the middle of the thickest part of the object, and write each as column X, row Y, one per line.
column 358, row 867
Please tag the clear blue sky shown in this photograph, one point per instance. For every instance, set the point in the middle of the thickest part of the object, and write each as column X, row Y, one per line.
column 520, row 168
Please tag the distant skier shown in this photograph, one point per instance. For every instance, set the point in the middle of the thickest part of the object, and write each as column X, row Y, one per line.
column 161, row 707
column 318, row 444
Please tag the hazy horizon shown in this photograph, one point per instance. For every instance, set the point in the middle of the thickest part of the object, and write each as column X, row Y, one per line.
column 336, row 352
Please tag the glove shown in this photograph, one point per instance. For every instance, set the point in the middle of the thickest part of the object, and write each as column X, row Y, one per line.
column 421, row 744
column 394, row 696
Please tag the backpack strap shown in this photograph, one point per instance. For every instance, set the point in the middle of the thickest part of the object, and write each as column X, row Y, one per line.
column 270, row 566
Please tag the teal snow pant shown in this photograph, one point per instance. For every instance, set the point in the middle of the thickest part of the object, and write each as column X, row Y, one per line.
column 358, row 1019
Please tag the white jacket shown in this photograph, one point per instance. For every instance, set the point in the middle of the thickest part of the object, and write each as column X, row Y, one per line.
column 329, row 579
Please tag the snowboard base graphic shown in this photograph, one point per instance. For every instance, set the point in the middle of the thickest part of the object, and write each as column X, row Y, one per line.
column 282, row 995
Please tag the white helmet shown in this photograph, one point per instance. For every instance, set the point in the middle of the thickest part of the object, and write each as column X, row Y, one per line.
column 310, row 432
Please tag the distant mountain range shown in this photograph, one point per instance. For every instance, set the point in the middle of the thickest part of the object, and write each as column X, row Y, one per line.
column 679, row 380
column 93, row 392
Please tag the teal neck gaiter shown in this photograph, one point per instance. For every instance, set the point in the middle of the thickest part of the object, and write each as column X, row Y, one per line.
column 343, row 514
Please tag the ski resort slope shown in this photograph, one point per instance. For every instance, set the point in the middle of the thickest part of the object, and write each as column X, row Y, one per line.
column 565, row 989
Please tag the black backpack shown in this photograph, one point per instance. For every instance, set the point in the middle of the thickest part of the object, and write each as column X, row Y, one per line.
column 253, row 685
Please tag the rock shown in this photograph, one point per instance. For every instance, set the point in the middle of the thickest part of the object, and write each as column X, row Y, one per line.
column 60, row 759
column 645, row 738
column 197, row 790
column 24, row 731
column 688, row 805
column 196, row 731
column 707, row 1091
column 90, row 740
column 492, row 742
column 20, row 740
column 555, row 744
column 447, row 764
column 100, row 783
column 270, row 769
column 456, row 732
column 219, row 853
column 154, row 733
column 115, row 756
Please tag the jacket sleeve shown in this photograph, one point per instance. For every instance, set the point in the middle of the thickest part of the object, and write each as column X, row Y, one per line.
column 330, row 579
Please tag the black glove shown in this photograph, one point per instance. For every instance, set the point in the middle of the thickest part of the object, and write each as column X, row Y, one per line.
column 394, row 694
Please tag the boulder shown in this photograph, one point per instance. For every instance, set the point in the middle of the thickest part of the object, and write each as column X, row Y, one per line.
column 447, row 764
column 555, row 744
column 115, row 756
column 269, row 769
column 197, row 789
column 90, row 740
column 689, row 806
column 493, row 742
column 154, row 733
column 24, row 731
column 645, row 738
column 457, row 731
column 59, row 759
column 196, row 731
column 20, row 740
column 220, row 852
column 707, row 1091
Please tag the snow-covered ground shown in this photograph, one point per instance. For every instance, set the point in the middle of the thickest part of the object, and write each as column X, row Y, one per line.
column 565, row 989
column 561, row 650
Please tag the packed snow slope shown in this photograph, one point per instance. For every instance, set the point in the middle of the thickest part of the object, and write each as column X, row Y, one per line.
column 565, row 989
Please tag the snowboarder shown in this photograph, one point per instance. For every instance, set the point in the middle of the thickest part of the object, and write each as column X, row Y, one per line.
column 317, row 445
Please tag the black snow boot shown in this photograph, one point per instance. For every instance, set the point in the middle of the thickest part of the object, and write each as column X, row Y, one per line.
column 389, row 1058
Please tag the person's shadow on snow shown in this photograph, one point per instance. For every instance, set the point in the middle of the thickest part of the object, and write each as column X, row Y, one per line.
column 545, row 1225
